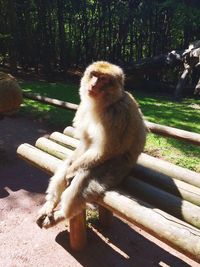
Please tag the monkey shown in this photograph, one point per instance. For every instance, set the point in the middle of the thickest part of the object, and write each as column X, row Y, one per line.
column 112, row 135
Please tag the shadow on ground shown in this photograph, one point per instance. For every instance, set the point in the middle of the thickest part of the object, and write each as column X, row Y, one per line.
column 119, row 246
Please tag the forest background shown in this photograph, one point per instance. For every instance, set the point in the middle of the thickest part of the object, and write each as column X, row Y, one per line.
column 52, row 36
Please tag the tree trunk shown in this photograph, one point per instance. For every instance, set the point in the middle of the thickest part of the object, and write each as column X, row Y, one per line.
column 181, row 84
column 12, row 44
column 62, row 37
column 197, row 87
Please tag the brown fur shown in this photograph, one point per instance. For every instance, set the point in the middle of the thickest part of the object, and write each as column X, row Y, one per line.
column 10, row 94
column 112, row 135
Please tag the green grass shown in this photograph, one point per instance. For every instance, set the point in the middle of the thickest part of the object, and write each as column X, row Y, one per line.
column 158, row 109
column 184, row 115
column 163, row 110
column 55, row 117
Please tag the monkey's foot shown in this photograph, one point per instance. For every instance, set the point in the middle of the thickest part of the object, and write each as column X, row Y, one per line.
column 50, row 219
column 45, row 220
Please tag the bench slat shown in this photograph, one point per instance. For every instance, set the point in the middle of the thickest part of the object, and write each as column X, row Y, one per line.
column 53, row 148
column 38, row 158
column 64, row 140
column 69, row 130
column 160, row 224
column 155, row 166
column 161, row 199
column 179, row 188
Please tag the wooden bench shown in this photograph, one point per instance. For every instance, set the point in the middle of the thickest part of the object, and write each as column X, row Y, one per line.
column 159, row 197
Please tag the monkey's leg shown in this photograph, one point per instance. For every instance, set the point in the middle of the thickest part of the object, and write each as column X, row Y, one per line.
column 56, row 186
column 72, row 201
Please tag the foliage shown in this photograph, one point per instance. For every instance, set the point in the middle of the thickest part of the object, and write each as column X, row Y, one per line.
column 158, row 109
column 57, row 34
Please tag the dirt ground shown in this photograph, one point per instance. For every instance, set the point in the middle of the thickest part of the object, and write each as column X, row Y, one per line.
column 24, row 244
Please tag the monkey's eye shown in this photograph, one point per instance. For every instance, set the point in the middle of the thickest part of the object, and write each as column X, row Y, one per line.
column 105, row 78
column 94, row 73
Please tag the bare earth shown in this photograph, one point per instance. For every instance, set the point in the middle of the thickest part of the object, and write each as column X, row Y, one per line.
column 24, row 244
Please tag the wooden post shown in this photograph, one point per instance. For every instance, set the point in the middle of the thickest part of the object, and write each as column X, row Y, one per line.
column 105, row 216
column 77, row 228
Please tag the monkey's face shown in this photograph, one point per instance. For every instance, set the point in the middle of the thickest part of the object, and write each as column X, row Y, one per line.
column 102, row 82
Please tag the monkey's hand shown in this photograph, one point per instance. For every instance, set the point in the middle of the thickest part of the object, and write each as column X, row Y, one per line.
column 89, row 159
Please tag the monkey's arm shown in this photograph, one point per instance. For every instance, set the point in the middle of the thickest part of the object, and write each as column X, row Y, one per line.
column 58, row 180
column 98, row 152
column 91, row 158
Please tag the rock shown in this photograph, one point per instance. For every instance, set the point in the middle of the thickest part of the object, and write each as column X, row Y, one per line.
column 10, row 94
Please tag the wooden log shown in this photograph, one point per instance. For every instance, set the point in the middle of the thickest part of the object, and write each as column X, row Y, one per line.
column 172, row 204
column 165, row 227
column 167, row 131
column 158, row 167
column 38, row 158
column 53, row 148
column 176, row 187
column 77, row 228
column 51, row 101
column 70, row 131
column 64, row 140
column 105, row 216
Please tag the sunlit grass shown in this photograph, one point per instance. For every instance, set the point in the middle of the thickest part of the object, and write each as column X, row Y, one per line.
column 53, row 116
column 63, row 91
column 163, row 110
column 177, row 152
column 184, row 115
column 158, row 109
